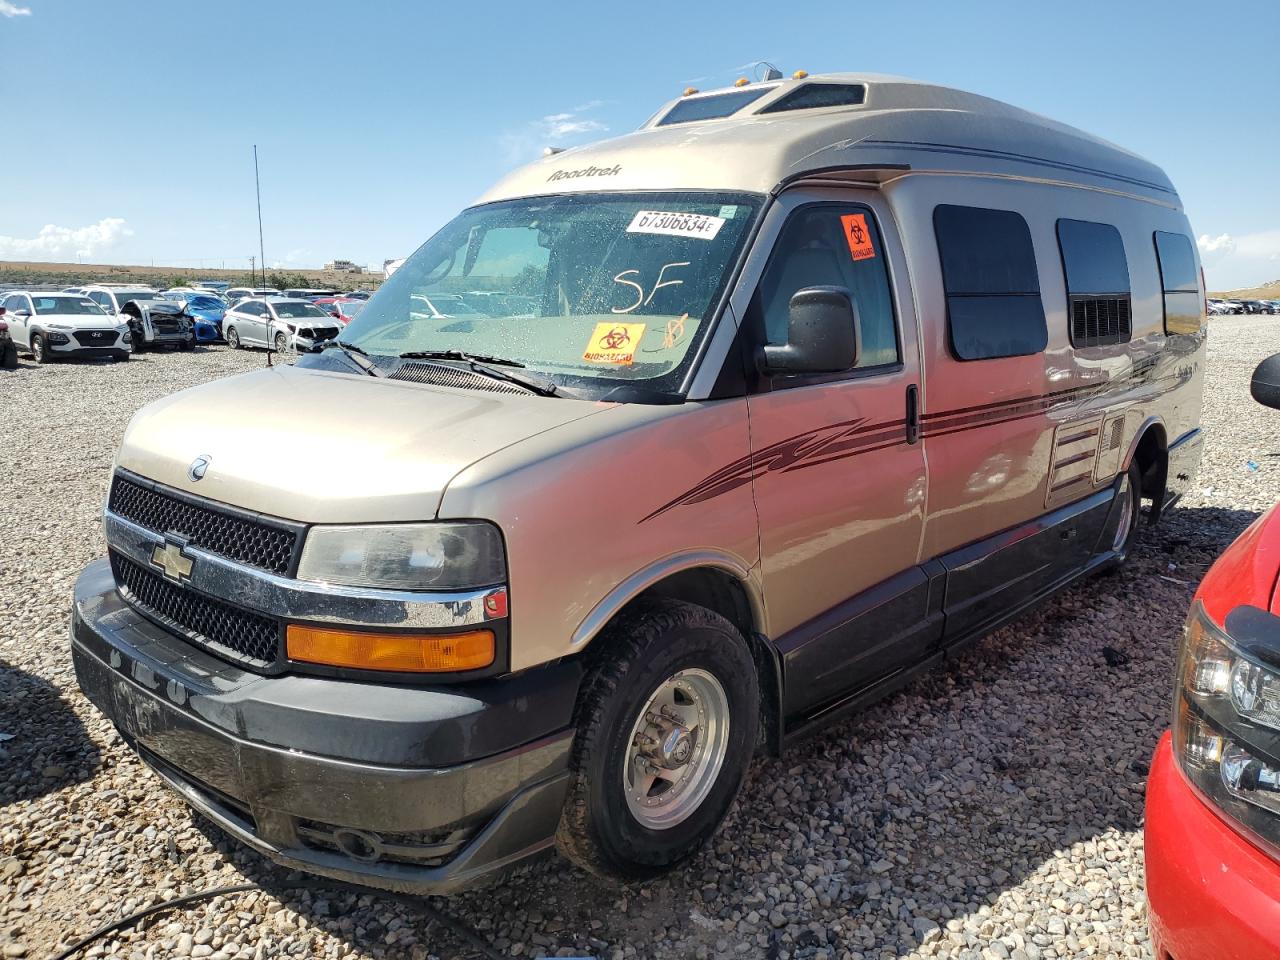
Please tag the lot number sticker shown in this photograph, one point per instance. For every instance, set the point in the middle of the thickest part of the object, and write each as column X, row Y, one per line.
column 858, row 235
column 667, row 224
column 614, row 343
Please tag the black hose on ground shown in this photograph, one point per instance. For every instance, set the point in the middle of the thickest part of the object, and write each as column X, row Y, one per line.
column 472, row 938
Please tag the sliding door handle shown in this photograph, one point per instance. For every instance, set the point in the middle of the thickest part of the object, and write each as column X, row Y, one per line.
column 913, row 413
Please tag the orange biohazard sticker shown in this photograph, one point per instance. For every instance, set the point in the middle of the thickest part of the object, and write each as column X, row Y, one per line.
column 614, row 343
column 858, row 235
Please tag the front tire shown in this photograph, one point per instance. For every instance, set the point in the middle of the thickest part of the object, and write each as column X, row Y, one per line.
column 666, row 727
column 282, row 343
column 233, row 338
column 39, row 349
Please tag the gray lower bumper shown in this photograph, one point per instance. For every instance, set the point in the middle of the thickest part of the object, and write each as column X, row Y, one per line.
column 408, row 828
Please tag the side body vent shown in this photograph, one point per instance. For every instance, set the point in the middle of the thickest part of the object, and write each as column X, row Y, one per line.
column 1100, row 321
column 445, row 375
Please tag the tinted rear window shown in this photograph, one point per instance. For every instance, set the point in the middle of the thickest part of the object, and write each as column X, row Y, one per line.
column 1182, row 304
column 992, row 286
column 712, row 107
column 1177, row 263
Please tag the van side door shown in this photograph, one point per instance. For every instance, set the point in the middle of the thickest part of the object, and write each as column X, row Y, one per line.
column 1010, row 512
column 839, row 479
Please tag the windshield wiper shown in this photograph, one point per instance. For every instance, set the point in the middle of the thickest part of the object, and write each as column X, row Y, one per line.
column 481, row 364
column 357, row 356
column 459, row 355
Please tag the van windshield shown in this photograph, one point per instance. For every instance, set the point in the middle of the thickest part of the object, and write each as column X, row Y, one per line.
column 595, row 287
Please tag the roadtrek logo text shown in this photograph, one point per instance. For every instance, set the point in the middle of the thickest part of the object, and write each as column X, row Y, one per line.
column 586, row 172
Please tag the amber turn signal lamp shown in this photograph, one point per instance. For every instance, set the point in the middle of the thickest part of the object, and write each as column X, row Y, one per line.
column 400, row 652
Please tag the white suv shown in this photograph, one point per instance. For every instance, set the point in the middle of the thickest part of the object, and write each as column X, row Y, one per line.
column 54, row 325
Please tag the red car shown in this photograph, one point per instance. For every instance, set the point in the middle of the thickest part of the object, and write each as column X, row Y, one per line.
column 342, row 308
column 1213, row 797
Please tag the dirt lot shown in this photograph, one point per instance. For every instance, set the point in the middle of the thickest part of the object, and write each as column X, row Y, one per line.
column 994, row 810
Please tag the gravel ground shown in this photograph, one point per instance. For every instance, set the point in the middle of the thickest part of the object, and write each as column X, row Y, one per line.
column 992, row 811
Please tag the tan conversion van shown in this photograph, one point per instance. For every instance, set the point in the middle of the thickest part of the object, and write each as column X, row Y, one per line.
column 779, row 400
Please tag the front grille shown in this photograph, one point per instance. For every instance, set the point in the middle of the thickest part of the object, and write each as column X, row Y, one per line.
column 255, row 541
column 1099, row 321
column 95, row 338
column 222, row 628
column 449, row 376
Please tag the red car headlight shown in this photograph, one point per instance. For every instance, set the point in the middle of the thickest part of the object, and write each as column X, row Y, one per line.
column 1226, row 724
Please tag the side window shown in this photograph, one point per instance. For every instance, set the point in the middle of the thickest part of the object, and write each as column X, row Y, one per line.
column 993, row 289
column 102, row 299
column 1182, row 304
column 1097, row 274
column 10, row 303
column 835, row 245
column 252, row 307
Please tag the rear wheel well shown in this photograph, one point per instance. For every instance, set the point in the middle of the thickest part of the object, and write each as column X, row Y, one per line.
column 1152, row 458
column 725, row 594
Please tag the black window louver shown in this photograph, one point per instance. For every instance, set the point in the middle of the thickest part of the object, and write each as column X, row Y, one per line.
column 811, row 96
column 1100, row 321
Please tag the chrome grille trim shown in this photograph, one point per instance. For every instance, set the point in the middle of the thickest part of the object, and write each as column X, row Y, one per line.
column 282, row 597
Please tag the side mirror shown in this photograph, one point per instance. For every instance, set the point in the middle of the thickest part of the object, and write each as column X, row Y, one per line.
column 265, row 316
column 823, row 334
column 24, row 312
column 1265, row 385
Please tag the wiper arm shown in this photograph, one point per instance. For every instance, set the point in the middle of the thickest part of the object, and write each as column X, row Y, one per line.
column 357, row 356
column 481, row 365
column 459, row 355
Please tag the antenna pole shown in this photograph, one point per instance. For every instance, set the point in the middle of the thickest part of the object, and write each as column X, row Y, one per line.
column 257, row 186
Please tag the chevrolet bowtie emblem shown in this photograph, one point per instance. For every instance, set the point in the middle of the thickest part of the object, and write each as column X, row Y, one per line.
column 170, row 558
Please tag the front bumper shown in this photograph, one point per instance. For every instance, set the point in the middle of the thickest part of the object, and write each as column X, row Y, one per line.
column 1211, row 892
column 107, row 346
column 208, row 331
column 416, row 789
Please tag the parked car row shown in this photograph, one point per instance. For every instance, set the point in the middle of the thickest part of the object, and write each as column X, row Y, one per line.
column 118, row 320
column 1220, row 307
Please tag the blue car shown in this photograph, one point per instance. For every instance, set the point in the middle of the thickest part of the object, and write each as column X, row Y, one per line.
column 206, row 312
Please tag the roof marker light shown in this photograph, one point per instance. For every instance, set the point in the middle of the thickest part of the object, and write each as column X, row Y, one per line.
column 799, row 74
column 741, row 82
column 689, row 91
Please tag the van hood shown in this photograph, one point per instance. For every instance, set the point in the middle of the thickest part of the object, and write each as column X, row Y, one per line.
column 323, row 447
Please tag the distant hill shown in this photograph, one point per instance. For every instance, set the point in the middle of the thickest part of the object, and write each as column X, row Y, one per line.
column 1268, row 291
column 76, row 274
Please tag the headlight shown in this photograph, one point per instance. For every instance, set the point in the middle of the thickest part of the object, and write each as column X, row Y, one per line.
column 58, row 338
column 406, row 556
column 1226, row 727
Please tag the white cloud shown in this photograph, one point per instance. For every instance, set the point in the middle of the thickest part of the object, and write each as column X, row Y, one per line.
column 56, row 243
column 1212, row 245
column 525, row 143
column 562, row 126
column 1234, row 262
column 8, row 9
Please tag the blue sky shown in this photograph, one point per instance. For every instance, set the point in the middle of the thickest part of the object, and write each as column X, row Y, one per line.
column 129, row 126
